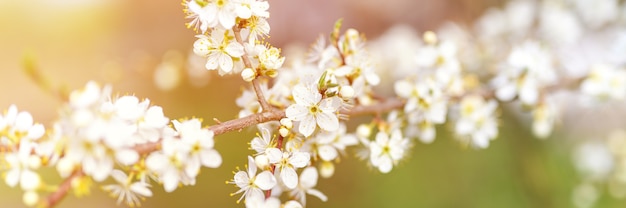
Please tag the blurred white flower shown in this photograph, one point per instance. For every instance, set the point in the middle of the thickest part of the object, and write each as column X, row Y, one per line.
column 528, row 70
column 201, row 142
column 477, row 123
column 387, row 150
column 605, row 82
column 22, row 167
column 131, row 193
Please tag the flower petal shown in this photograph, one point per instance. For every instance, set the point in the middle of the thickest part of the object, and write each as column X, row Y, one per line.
column 210, row 158
column 308, row 178
column 307, row 125
column 289, row 177
column 299, row 159
column 241, row 179
column 306, row 96
column 29, row 180
column 327, row 152
column 327, row 121
column 226, row 63
column 265, row 180
column 296, row 112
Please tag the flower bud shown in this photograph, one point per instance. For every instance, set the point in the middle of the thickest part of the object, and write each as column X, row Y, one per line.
column 34, row 162
column 30, row 198
column 363, row 131
column 430, row 37
column 352, row 34
column 284, row 132
column 346, row 92
column 65, row 167
column 248, row 74
column 286, row 123
column 327, row 169
column 262, row 161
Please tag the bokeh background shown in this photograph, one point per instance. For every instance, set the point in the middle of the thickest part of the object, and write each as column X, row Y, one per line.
column 124, row 43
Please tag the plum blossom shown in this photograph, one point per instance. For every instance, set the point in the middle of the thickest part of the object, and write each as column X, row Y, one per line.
column 528, row 70
column 220, row 49
column 124, row 190
column 311, row 110
column 286, row 163
column 251, row 184
column 387, row 150
column 477, row 123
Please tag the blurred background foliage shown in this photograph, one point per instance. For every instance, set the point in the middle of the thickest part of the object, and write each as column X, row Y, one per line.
column 122, row 42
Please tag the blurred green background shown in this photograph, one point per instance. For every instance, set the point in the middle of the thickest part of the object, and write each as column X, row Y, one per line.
column 122, row 42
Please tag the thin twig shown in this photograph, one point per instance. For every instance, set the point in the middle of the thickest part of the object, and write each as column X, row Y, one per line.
column 63, row 189
column 246, row 61
column 378, row 108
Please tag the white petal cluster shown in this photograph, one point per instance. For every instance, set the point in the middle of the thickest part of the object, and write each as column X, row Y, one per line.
column 20, row 138
column 605, row 82
column 312, row 111
column 286, row 163
column 251, row 185
column 17, row 126
column 477, row 123
column 426, row 105
column 270, row 58
column 545, row 115
column 220, row 50
column 182, row 155
column 132, row 193
column 22, row 166
column 100, row 131
column 387, row 150
column 219, row 21
column 528, row 70
column 223, row 13
column 440, row 61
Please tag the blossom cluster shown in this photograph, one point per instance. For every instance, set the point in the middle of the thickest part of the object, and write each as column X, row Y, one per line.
column 97, row 137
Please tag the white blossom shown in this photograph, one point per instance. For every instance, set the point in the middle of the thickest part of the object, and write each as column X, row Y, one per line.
column 220, row 50
column 286, row 163
column 251, row 184
column 261, row 142
column 387, row 150
column 605, row 81
column 328, row 144
column 201, row 141
column 528, row 70
column 22, row 167
column 171, row 164
column 131, row 193
column 477, row 123
column 311, row 110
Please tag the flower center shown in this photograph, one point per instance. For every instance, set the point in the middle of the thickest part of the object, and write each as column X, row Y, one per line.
column 314, row 109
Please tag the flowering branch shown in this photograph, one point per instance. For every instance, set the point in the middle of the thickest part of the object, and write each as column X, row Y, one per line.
column 62, row 190
column 98, row 137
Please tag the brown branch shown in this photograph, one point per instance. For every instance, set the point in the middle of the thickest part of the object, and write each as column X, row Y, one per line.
column 378, row 108
column 228, row 126
column 224, row 127
column 60, row 193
